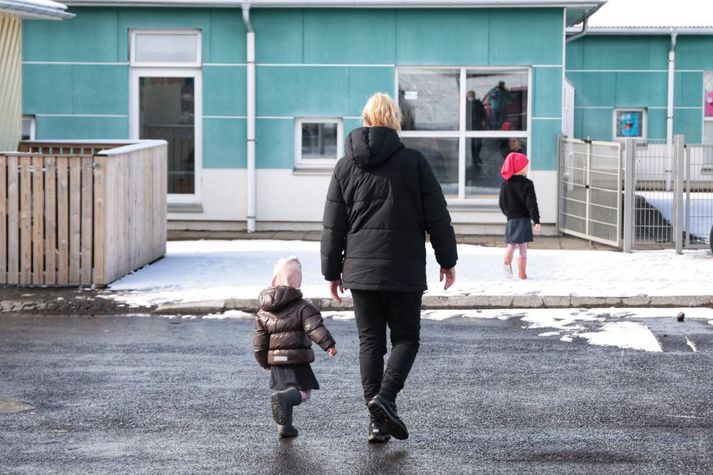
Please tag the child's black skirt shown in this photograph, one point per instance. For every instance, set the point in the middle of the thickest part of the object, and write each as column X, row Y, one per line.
column 518, row 230
column 298, row 376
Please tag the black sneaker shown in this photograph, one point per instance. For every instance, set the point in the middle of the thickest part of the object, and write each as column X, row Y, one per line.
column 377, row 431
column 383, row 409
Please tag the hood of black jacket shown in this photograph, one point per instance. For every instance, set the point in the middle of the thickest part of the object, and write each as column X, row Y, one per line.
column 369, row 147
column 273, row 299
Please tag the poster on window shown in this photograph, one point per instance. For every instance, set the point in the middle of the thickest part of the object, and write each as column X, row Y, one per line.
column 630, row 123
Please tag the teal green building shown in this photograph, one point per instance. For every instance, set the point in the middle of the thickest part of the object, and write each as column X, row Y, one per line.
column 255, row 98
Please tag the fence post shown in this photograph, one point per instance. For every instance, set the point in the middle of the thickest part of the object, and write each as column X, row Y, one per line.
column 678, row 160
column 629, row 188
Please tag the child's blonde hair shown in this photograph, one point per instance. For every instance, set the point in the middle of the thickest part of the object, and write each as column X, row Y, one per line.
column 380, row 111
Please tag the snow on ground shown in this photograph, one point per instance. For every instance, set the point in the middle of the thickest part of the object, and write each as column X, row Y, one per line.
column 215, row 270
column 622, row 328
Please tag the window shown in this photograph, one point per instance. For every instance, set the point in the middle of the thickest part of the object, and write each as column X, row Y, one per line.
column 28, row 127
column 318, row 142
column 465, row 121
column 630, row 124
column 165, row 48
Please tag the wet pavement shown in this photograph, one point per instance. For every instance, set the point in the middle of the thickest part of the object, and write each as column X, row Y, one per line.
column 160, row 395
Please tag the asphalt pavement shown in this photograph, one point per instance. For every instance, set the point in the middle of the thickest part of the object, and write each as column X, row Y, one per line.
column 164, row 395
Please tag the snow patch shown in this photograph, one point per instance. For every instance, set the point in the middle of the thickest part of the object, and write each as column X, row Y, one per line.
column 229, row 315
column 631, row 335
column 549, row 334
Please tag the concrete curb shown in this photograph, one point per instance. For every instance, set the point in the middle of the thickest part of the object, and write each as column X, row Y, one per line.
column 459, row 302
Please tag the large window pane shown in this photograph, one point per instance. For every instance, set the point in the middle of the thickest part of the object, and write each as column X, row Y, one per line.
column 442, row 155
column 429, row 99
column 166, row 112
column 496, row 101
column 484, row 159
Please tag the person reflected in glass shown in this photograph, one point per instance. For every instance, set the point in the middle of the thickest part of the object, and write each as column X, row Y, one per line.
column 476, row 120
column 408, row 116
column 513, row 144
column 499, row 100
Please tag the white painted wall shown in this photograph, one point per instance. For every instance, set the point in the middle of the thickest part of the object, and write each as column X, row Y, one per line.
column 286, row 200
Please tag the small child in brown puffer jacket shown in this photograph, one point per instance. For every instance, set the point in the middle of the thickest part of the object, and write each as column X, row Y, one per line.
column 285, row 326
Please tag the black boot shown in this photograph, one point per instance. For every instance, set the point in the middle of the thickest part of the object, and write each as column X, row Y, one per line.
column 377, row 430
column 282, row 404
column 385, row 410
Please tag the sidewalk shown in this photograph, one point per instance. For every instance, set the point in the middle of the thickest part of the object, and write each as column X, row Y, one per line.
column 213, row 277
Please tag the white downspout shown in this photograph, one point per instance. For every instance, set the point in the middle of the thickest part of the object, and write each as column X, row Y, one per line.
column 669, row 108
column 252, row 173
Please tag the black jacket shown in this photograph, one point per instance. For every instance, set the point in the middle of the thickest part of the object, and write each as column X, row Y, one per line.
column 382, row 199
column 518, row 199
column 284, row 326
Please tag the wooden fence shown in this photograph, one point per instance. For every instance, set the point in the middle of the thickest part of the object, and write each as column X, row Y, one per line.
column 81, row 213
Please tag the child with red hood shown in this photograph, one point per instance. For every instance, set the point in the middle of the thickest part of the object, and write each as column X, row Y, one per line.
column 519, row 203
column 285, row 327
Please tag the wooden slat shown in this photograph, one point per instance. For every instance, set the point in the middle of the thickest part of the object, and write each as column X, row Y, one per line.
column 75, row 218
column 25, row 221
column 38, row 195
column 62, row 221
column 50, row 221
column 99, row 277
column 86, row 235
column 3, row 219
column 13, row 222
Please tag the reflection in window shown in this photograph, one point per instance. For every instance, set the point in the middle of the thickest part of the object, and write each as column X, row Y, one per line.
column 484, row 159
column 442, row 155
column 319, row 141
column 28, row 127
column 502, row 98
column 428, row 99
column 465, row 119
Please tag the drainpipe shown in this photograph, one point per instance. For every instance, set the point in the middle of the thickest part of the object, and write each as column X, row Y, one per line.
column 669, row 108
column 252, row 173
column 585, row 24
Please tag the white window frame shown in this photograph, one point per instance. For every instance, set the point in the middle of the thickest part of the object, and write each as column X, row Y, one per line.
column 644, row 122
column 165, row 64
column 462, row 134
column 33, row 125
column 317, row 163
column 134, row 76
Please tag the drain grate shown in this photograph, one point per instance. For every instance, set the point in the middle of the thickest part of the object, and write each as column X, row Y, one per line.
column 9, row 406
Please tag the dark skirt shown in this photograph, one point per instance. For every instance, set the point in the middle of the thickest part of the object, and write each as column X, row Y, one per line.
column 298, row 376
column 518, row 230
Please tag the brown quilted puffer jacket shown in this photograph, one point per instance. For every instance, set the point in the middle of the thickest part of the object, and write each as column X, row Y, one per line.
column 284, row 326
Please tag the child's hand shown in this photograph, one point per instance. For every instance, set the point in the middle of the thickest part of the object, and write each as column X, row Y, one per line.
column 331, row 351
column 538, row 228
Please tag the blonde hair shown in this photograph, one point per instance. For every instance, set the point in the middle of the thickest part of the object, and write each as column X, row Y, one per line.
column 380, row 111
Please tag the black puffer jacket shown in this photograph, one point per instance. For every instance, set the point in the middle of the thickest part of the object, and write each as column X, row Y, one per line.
column 382, row 199
column 518, row 199
column 284, row 326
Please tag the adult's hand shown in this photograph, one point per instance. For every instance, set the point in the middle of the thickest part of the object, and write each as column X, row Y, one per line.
column 450, row 275
column 335, row 285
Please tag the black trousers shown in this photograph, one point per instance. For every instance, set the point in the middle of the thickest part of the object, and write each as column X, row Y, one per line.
column 374, row 311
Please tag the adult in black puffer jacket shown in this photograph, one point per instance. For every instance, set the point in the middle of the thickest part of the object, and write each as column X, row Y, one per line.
column 382, row 200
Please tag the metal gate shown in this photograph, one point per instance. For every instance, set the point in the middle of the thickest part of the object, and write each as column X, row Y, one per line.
column 590, row 184
column 697, row 197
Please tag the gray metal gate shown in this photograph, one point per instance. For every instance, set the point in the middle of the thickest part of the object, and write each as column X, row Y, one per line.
column 697, row 197
column 590, row 183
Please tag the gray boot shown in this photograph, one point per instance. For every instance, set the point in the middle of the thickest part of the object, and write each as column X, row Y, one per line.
column 282, row 404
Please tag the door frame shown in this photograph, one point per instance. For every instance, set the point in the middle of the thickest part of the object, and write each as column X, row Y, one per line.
column 138, row 72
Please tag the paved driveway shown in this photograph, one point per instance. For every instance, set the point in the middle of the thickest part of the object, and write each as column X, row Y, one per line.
column 156, row 395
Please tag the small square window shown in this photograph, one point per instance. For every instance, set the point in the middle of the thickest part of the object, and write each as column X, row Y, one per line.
column 28, row 127
column 630, row 123
column 318, row 142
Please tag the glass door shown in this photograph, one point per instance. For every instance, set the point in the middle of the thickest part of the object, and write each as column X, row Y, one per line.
column 166, row 106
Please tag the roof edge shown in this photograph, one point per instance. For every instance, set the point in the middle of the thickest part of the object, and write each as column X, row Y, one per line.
column 342, row 3
column 32, row 10
column 645, row 30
